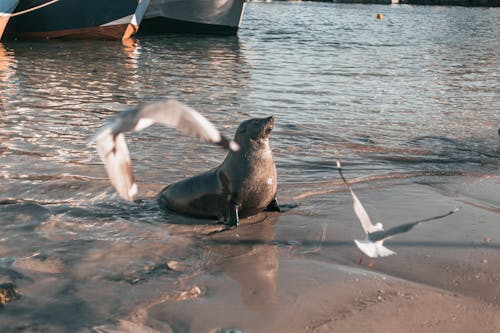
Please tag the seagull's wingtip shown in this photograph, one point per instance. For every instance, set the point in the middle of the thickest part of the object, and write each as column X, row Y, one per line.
column 132, row 192
column 383, row 251
column 127, row 194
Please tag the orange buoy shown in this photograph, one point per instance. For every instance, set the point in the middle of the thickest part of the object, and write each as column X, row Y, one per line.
column 380, row 16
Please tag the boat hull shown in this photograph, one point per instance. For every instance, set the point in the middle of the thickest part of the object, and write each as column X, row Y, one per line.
column 77, row 19
column 6, row 8
column 193, row 16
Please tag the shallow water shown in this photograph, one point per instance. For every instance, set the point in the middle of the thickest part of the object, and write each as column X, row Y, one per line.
column 413, row 95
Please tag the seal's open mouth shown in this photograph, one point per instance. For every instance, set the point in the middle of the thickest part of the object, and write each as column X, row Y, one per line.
column 269, row 125
column 268, row 130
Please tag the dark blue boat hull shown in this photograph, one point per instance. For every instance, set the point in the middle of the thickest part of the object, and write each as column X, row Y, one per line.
column 89, row 19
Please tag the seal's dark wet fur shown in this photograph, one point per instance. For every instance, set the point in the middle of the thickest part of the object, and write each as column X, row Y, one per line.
column 243, row 185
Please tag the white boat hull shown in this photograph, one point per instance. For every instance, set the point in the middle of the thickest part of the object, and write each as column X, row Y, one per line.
column 193, row 16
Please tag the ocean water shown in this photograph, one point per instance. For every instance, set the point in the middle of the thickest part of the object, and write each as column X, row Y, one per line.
column 413, row 95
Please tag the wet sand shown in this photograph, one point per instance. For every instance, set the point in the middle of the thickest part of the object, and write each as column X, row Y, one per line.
column 291, row 272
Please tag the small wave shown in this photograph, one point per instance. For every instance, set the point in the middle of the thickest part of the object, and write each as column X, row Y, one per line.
column 33, row 177
column 22, row 216
column 337, row 185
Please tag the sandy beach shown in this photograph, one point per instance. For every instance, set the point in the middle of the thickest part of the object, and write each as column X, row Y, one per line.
column 291, row 272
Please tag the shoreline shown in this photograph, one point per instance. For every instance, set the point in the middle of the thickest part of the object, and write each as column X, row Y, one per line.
column 296, row 271
column 460, row 3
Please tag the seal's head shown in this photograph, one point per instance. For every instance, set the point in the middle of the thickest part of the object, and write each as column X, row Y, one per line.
column 254, row 131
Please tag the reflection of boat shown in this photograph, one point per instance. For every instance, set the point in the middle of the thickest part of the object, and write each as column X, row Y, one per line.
column 7, row 70
column 76, row 19
column 6, row 8
column 193, row 16
column 6, row 63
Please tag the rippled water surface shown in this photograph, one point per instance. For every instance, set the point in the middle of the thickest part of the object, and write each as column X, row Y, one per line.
column 417, row 91
column 414, row 94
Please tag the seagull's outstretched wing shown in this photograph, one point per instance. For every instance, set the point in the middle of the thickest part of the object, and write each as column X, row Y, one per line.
column 360, row 211
column 402, row 228
column 113, row 150
column 114, row 153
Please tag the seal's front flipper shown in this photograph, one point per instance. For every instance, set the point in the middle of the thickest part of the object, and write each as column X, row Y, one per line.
column 273, row 206
column 234, row 219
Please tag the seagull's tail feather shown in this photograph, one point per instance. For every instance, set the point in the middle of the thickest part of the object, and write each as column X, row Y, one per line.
column 367, row 247
column 383, row 251
column 373, row 249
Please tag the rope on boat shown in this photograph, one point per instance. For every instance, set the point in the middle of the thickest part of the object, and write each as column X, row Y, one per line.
column 34, row 8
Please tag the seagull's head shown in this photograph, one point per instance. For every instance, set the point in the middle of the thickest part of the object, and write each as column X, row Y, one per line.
column 378, row 226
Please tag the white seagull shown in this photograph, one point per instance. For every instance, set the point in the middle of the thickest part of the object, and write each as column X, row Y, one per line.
column 113, row 150
column 373, row 244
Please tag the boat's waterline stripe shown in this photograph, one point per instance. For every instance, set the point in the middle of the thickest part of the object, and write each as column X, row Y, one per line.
column 116, row 32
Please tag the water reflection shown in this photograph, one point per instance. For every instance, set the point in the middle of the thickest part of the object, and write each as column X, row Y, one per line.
column 210, row 69
column 58, row 74
column 50, row 117
column 131, row 48
column 250, row 258
column 66, row 90
column 241, row 289
column 7, row 70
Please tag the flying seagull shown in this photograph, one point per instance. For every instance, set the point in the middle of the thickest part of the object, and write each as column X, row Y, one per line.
column 373, row 244
column 113, row 150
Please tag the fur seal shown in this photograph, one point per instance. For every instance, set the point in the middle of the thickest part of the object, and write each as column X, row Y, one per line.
column 243, row 185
